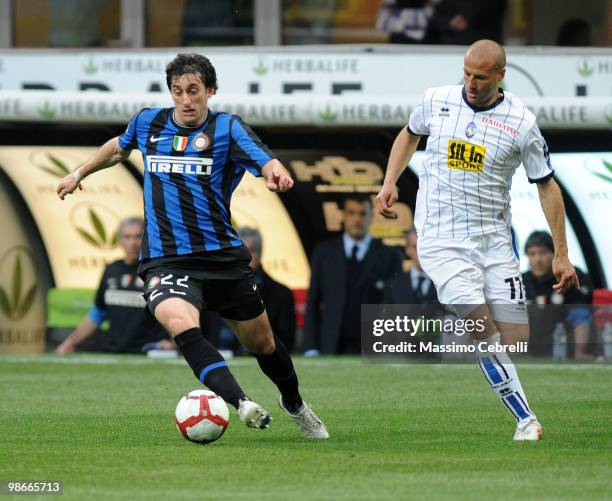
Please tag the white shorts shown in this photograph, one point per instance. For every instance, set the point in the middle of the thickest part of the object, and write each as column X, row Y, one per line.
column 470, row 271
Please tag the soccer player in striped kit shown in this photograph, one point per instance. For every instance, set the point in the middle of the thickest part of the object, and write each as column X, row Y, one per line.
column 478, row 136
column 192, row 257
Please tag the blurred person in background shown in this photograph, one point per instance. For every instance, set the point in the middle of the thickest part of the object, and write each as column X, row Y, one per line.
column 413, row 286
column 119, row 300
column 575, row 33
column 406, row 21
column 74, row 23
column 568, row 308
column 346, row 272
column 278, row 299
column 462, row 22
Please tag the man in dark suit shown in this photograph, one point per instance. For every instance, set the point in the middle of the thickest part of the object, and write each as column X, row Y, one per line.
column 278, row 299
column 346, row 272
column 413, row 287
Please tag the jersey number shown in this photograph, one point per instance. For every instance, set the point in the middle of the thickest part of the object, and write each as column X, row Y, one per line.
column 519, row 284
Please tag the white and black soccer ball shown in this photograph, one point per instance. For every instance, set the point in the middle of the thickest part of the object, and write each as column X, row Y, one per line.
column 202, row 416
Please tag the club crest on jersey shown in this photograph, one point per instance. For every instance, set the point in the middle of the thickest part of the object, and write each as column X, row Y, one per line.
column 470, row 130
column 465, row 156
column 154, row 282
column 200, row 142
column 179, row 143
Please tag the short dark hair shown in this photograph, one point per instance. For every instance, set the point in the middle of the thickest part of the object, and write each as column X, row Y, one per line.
column 540, row 239
column 192, row 64
column 360, row 199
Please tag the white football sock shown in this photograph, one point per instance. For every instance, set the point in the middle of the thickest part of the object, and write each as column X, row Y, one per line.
column 501, row 374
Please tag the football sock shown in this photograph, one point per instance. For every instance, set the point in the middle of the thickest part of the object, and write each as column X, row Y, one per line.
column 279, row 368
column 501, row 374
column 209, row 366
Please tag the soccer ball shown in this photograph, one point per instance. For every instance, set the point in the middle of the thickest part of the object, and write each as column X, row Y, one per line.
column 202, row 416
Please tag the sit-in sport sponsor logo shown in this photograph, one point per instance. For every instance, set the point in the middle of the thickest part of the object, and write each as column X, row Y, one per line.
column 465, row 156
column 179, row 165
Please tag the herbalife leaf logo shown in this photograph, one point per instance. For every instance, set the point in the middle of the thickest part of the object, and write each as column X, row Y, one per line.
column 16, row 293
column 90, row 68
column 328, row 114
column 606, row 177
column 47, row 110
column 95, row 224
column 261, row 68
column 55, row 166
column 586, row 68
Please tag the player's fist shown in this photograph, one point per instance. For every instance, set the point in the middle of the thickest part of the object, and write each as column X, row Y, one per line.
column 565, row 274
column 385, row 199
column 277, row 176
column 68, row 184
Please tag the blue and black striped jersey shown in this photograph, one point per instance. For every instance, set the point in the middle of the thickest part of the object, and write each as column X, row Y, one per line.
column 190, row 175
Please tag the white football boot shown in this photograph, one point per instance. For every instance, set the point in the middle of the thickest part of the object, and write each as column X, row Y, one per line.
column 254, row 415
column 530, row 430
column 307, row 421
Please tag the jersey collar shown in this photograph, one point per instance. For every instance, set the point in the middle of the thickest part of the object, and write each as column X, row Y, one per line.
column 485, row 108
column 185, row 128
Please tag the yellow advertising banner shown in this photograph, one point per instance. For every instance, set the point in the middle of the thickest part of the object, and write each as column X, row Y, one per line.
column 22, row 283
column 79, row 232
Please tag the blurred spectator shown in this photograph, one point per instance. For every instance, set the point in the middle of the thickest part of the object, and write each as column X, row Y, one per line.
column 278, row 300
column 217, row 22
column 563, row 310
column 74, row 23
column 119, row 300
column 406, row 21
column 308, row 21
column 574, row 33
column 346, row 272
column 462, row 22
column 414, row 286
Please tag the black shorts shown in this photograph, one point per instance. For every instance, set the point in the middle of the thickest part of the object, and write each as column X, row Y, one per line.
column 235, row 299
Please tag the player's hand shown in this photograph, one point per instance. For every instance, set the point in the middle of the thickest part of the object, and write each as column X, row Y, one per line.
column 67, row 185
column 565, row 274
column 64, row 348
column 385, row 199
column 277, row 176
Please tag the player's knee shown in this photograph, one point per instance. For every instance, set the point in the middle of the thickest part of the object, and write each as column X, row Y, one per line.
column 264, row 345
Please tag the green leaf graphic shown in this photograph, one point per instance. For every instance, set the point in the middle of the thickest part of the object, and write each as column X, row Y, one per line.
column 261, row 68
column 26, row 304
column 88, row 237
column 16, row 283
column 328, row 114
column 603, row 176
column 47, row 111
column 4, row 303
column 90, row 68
column 608, row 166
column 61, row 166
column 585, row 69
column 114, row 240
column 54, row 173
column 98, row 226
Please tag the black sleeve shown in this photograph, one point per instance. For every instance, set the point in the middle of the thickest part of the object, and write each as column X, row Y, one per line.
column 99, row 301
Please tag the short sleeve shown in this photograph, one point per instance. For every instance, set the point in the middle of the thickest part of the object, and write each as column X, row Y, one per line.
column 535, row 157
column 98, row 312
column 418, row 123
column 129, row 139
column 99, row 301
column 247, row 151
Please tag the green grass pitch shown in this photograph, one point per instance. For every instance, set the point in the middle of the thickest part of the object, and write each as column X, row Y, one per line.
column 104, row 426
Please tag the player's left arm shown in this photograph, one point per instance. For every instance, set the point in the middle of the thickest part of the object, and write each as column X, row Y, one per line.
column 554, row 210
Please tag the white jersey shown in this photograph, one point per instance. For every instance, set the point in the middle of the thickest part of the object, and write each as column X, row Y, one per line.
column 471, row 156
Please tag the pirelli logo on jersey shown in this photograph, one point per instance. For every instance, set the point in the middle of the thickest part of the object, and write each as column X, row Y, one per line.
column 465, row 156
column 179, row 165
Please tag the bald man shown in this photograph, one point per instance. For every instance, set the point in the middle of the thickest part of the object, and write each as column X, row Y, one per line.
column 478, row 136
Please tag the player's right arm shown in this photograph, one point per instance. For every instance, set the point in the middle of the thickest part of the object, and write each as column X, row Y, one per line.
column 403, row 148
column 109, row 154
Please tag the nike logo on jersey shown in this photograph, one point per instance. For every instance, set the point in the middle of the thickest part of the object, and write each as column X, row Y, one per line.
column 465, row 156
column 154, row 139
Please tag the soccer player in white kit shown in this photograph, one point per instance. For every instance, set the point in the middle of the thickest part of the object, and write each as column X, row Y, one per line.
column 478, row 136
